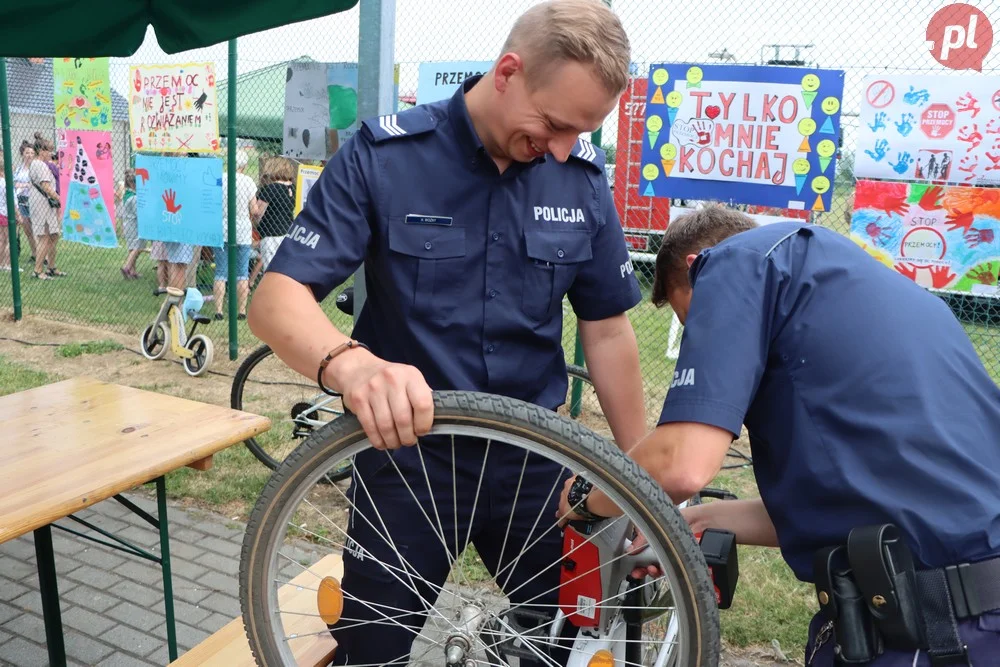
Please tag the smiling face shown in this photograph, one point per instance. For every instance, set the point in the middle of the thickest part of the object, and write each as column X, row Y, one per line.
column 810, row 83
column 549, row 116
column 830, row 106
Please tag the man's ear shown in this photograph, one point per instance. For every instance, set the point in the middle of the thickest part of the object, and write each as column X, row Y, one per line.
column 690, row 260
column 506, row 67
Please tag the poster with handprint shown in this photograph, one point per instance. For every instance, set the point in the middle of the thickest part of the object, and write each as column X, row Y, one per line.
column 82, row 93
column 173, row 108
column 766, row 136
column 937, row 129
column 941, row 237
column 179, row 199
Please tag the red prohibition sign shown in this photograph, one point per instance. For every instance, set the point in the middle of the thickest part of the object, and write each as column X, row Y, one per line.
column 880, row 94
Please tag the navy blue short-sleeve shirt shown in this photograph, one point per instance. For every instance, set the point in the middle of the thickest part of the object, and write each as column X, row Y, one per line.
column 465, row 268
column 864, row 398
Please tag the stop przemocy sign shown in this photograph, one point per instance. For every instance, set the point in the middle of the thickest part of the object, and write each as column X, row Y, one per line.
column 937, row 121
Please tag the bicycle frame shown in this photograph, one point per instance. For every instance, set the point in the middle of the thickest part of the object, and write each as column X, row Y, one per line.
column 171, row 315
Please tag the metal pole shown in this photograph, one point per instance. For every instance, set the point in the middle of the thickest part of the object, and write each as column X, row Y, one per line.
column 49, row 589
column 376, row 92
column 234, row 336
column 15, row 277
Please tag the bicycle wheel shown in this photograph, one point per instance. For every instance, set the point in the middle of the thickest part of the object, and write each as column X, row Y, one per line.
column 265, row 385
column 468, row 620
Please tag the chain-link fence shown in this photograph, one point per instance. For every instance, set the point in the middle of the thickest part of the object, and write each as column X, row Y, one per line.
column 860, row 37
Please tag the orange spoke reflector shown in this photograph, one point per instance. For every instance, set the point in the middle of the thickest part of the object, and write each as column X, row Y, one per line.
column 330, row 600
column 602, row 658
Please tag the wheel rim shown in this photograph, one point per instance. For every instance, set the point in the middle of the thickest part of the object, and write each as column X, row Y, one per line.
column 159, row 340
column 304, row 483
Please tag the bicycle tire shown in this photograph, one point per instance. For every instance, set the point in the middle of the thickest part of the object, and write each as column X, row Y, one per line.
column 236, row 402
column 558, row 434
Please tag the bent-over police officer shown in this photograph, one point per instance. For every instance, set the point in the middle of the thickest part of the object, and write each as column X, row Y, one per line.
column 473, row 217
column 874, row 429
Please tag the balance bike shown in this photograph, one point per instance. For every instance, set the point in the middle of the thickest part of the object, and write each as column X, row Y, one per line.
column 196, row 352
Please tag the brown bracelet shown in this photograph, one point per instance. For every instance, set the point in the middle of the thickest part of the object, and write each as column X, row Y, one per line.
column 329, row 357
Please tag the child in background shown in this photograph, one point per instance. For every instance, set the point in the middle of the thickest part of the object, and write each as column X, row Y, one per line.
column 128, row 222
column 4, row 237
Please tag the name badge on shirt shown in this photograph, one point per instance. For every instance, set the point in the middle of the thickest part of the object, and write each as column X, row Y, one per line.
column 441, row 220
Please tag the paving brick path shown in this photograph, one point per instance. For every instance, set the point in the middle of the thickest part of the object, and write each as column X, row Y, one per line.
column 112, row 602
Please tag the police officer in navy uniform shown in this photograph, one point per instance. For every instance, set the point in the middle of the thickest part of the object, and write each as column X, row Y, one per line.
column 473, row 218
column 874, row 427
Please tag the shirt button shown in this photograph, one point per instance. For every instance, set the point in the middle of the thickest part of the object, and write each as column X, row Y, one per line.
column 493, row 293
column 490, row 348
column 427, row 245
column 560, row 253
column 496, row 236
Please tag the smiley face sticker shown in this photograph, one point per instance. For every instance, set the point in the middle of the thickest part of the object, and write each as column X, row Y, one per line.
column 810, row 83
column 660, row 76
column 807, row 126
column 668, row 151
column 820, row 185
column 674, row 99
column 830, row 105
column 826, row 148
column 694, row 77
column 800, row 167
column 650, row 172
column 654, row 123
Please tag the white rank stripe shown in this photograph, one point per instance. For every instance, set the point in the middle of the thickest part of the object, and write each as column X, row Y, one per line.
column 388, row 123
column 587, row 151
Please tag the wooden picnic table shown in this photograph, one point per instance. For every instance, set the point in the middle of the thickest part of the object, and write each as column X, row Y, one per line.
column 74, row 443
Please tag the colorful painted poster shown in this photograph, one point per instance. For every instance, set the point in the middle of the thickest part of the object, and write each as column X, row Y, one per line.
column 82, row 93
column 307, row 111
column 942, row 129
column 306, row 178
column 173, row 108
column 342, row 95
column 86, row 187
column 741, row 134
column 438, row 81
column 944, row 238
column 179, row 199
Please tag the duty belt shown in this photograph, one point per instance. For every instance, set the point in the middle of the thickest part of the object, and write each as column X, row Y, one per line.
column 877, row 599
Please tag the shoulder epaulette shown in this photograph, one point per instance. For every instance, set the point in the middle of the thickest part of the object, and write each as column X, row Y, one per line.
column 589, row 153
column 405, row 124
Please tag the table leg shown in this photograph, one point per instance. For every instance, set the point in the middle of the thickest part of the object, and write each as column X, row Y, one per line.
column 168, row 588
column 50, row 596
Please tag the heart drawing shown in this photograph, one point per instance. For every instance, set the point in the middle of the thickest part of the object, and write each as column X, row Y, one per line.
column 712, row 111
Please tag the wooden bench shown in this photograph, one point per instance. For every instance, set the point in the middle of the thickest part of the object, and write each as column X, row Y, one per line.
column 229, row 646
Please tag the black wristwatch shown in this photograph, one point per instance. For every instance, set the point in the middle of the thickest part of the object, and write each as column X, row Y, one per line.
column 577, row 499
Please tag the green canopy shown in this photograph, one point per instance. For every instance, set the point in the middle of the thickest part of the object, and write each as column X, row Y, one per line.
column 63, row 28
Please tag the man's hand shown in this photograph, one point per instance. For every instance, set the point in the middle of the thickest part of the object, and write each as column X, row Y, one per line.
column 392, row 401
column 597, row 502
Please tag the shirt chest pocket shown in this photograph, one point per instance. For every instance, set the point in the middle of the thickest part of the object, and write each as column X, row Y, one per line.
column 554, row 257
column 428, row 264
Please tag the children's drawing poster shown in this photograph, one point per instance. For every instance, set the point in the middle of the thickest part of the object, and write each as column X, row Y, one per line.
column 86, row 187
column 741, row 134
column 942, row 129
column 173, row 108
column 342, row 95
column 307, row 111
column 942, row 237
column 306, row 178
column 179, row 199
column 82, row 93
column 439, row 80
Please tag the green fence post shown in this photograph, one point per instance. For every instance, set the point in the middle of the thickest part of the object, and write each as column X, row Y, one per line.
column 15, row 278
column 578, row 359
column 231, row 140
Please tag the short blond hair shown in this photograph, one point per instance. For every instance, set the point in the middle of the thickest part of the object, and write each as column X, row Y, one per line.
column 584, row 31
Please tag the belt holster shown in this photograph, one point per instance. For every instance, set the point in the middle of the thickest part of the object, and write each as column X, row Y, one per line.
column 841, row 601
column 907, row 617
